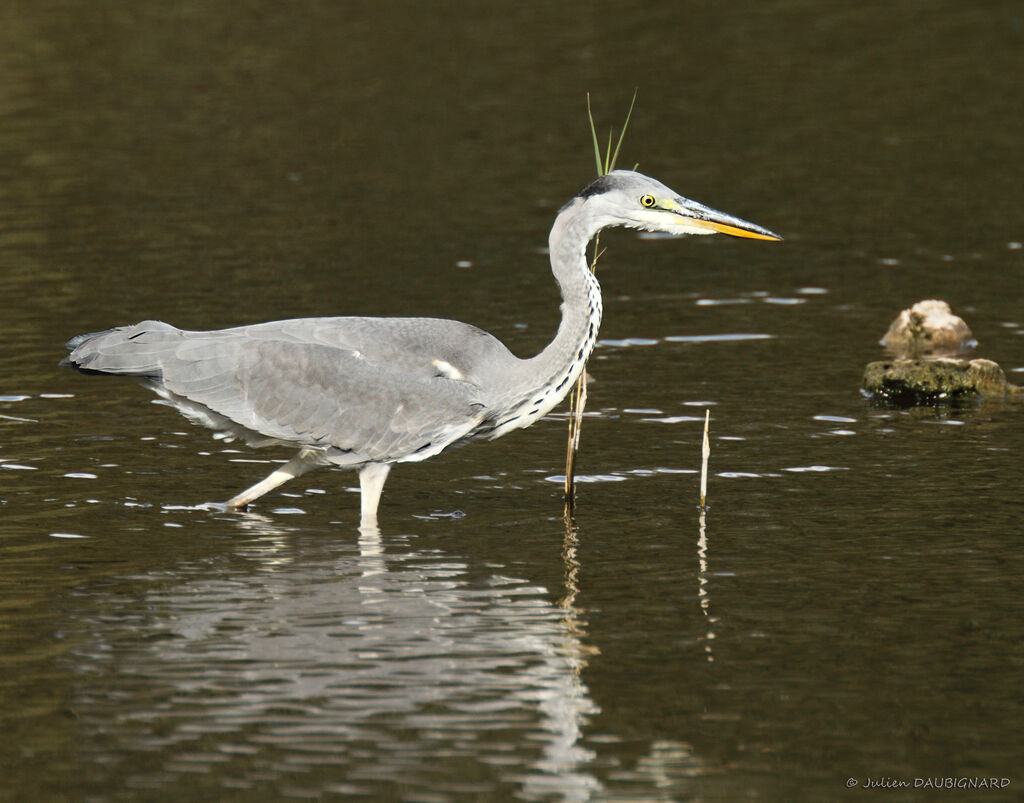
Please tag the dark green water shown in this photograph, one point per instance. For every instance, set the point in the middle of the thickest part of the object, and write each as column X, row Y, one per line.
column 852, row 607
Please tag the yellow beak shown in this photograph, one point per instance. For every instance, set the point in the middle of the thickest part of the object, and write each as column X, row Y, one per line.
column 725, row 228
column 695, row 216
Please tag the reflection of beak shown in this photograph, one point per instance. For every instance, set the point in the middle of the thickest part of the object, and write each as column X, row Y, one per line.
column 704, row 217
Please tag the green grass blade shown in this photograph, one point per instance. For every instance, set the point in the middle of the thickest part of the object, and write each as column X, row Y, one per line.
column 593, row 134
column 622, row 133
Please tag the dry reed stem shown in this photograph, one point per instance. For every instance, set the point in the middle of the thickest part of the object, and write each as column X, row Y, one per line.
column 705, row 452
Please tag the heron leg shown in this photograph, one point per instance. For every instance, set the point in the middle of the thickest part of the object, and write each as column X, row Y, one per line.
column 302, row 462
column 371, row 483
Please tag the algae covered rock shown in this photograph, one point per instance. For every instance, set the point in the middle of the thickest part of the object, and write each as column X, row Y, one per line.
column 928, row 343
column 916, row 381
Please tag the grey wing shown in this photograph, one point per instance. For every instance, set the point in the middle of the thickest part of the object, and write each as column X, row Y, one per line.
column 321, row 396
column 266, row 384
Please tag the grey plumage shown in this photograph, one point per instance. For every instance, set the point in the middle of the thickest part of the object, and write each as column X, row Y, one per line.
column 370, row 392
column 363, row 389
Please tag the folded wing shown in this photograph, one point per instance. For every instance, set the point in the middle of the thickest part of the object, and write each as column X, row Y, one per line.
column 355, row 405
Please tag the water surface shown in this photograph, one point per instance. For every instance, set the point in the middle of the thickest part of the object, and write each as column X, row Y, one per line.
column 850, row 607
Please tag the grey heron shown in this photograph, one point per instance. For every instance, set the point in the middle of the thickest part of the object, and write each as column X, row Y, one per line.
column 370, row 392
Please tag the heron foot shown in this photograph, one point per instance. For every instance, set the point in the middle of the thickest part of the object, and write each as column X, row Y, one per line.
column 220, row 507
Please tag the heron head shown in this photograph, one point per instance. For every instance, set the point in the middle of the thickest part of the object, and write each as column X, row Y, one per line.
column 627, row 198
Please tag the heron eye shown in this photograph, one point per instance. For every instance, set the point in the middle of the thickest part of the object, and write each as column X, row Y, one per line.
column 647, row 201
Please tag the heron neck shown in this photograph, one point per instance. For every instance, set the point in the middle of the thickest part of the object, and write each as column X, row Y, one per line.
column 562, row 361
column 536, row 385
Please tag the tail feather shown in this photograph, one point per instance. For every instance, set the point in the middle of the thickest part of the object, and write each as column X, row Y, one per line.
column 137, row 350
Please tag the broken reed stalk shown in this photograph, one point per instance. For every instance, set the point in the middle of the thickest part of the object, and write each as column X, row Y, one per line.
column 577, row 403
column 578, row 397
column 705, row 452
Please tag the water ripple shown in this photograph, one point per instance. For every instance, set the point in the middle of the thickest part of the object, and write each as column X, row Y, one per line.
column 391, row 666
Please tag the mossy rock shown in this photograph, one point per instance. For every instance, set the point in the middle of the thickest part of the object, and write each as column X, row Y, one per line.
column 910, row 382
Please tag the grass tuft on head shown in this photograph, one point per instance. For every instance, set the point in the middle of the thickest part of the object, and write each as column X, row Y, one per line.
column 607, row 164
